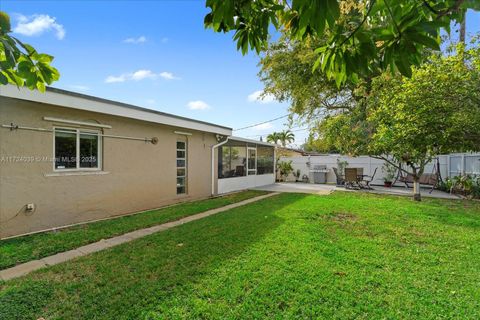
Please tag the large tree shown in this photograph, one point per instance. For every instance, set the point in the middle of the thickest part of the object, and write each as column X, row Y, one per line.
column 20, row 63
column 361, row 36
column 410, row 121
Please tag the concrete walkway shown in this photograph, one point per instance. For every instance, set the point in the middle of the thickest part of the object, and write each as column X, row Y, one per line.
column 323, row 189
column 25, row 268
column 298, row 187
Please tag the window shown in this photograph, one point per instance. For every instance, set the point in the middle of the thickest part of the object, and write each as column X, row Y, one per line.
column 181, row 167
column 77, row 149
column 232, row 161
column 265, row 160
column 252, row 161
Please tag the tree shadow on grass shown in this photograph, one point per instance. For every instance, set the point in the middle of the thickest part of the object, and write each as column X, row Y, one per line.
column 124, row 282
column 35, row 246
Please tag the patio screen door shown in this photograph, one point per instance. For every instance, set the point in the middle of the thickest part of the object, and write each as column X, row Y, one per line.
column 251, row 161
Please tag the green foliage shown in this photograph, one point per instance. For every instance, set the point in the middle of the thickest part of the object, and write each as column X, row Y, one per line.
column 297, row 174
column 316, row 143
column 361, row 36
column 284, row 168
column 341, row 165
column 284, row 137
column 467, row 185
column 389, row 171
column 273, row 137
column 286, row 71
column 436, row 111
column 20, row 63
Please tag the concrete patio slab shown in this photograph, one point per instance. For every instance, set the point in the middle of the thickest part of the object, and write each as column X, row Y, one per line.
column 402, row 191
column 25, row 268
column 294, row 187
column 324, row 189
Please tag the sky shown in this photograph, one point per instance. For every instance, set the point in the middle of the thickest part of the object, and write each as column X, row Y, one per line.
column 155, row 54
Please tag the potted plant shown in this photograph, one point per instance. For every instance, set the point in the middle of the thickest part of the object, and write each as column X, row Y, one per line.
column 285, row 168
column 305, row 178
column 297, row 174
column 389, row 174
column 341, row 165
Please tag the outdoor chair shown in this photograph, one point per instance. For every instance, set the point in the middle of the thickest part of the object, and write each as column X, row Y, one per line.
column 239, row 171
column 430, row 179
column 366, row 180
column 360, row 172
column 351, row 178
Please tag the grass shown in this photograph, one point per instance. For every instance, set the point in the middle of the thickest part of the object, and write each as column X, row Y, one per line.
column 18, row 250
column 292, row 256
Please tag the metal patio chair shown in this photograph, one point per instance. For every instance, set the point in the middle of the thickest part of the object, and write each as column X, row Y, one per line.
column 366, row 180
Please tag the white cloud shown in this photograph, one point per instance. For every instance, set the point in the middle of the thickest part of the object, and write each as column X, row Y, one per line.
column 79, row 87
column 198, row 105
column 114, row 79
column 257, row 97
column 143, row 74
column 164, row 40
column 263, row 126
column 141, row 39
column 167, row 75
column 140, row 75
column 37, row 24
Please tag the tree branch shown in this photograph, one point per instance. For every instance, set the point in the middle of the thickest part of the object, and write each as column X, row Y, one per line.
column 445, row 12
column 360, row 25
column 393, row 19
column 396, row 165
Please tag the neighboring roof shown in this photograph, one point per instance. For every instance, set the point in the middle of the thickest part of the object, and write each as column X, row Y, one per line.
column 251, row 141
column 303, row 152
column 85, row 102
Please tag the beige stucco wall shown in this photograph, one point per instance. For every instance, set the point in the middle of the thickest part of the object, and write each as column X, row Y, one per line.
column 136, row 175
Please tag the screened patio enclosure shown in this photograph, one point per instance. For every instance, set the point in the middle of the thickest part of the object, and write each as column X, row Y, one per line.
column 244, row 163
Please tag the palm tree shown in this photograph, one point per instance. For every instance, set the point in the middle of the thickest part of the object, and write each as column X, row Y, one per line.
column 273, row 137
column 286, row 137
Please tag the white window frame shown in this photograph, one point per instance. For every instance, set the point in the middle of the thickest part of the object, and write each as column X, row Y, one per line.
column 78, row 132
column 248, row 158
column 185, row 177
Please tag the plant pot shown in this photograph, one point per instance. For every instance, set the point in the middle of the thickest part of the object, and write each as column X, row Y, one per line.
column 387, row 184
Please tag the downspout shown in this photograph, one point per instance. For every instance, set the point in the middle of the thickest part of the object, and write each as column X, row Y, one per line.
column 213, row 162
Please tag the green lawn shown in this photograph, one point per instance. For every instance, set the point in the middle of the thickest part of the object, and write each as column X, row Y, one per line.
column 292, row 256
column 23, row 249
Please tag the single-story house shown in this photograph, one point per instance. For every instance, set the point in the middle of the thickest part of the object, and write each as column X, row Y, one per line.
column 68, row 158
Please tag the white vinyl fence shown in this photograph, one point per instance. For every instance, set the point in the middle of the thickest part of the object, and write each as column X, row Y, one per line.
column 450, row 165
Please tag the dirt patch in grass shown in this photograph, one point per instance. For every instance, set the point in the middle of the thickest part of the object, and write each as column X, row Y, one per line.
column 341, row 217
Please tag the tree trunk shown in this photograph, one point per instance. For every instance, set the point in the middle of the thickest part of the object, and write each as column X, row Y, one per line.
column 416, row 189
column 463, row 26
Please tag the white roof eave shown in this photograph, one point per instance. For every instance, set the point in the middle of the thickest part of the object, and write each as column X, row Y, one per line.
column 82, row 102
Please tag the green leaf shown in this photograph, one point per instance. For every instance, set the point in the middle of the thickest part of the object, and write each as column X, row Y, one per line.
column 424, row 40
column 3, row 79
column 403, row 66
column 41, row 86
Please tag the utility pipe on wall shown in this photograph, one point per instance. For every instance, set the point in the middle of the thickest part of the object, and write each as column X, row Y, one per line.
column 12, row 127
column 213, row 162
